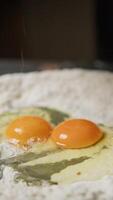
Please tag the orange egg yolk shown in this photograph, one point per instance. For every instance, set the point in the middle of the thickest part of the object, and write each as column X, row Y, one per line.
column 76, row 133
column 28, row 129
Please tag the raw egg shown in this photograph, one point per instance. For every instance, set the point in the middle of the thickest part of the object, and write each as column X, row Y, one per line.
column 76, row 133
column 28, row 129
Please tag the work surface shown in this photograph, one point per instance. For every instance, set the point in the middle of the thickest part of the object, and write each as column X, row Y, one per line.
column 22, row 65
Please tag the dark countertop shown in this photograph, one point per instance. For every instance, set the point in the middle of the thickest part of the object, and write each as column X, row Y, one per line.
column 12, row 66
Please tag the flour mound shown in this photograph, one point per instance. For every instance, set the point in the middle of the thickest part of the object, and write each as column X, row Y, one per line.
column 82, row 93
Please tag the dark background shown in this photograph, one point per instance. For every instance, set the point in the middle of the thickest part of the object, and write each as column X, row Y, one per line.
column 104, row 29
column 33, row 32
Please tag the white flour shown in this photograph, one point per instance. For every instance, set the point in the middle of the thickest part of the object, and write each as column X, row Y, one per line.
column 82, row 93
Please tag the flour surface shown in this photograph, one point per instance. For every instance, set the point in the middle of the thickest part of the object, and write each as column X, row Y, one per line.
column 82, row 93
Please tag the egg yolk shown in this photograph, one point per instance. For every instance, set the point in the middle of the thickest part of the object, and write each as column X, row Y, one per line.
column 76, row 133
column 28, row 129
